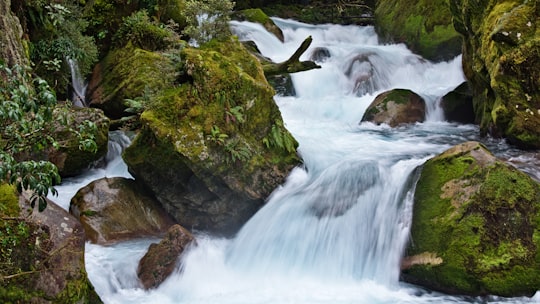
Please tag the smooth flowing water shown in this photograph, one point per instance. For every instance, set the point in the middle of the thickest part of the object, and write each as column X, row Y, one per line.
column 335, row 231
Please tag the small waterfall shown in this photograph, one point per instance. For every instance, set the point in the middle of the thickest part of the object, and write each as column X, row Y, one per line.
column 78, row 85
column 346, row 222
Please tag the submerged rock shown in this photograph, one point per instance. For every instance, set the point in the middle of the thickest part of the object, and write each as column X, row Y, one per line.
column 117, row 209
column 162, row 259
column 395, row 107
column 475, row 228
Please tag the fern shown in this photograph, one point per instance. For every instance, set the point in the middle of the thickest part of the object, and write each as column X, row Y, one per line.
column 280, row 138
column 216, row 136
column 237, row 152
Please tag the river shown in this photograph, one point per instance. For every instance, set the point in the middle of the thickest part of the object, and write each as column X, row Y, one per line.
column 334, row 232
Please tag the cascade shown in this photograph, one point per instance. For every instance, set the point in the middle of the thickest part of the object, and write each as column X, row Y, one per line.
column 78, row 85
column 334, row 232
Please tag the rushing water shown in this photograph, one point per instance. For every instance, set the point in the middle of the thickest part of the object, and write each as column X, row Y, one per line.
column 335, row 231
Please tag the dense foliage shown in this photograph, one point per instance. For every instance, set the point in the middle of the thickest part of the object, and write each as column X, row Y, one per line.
column 56, row 31
column 27, row 123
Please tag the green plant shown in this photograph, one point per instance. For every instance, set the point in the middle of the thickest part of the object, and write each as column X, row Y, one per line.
column 207, row 20
column 237, row 151
column 27, row 124
column 235, row 114
column 216, row 136
column 279, row 137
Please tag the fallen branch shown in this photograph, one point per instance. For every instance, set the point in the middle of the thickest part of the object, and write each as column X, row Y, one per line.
column 293, row 64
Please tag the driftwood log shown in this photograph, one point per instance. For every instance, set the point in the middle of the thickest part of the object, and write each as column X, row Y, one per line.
column 293, row 64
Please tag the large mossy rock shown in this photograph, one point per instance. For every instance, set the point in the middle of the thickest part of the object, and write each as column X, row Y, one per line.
column 117, row 209
column 424, row 26
column 125, row 74
column 41, row 253
column 475, row 227
column 213, row 149
column 396, row 107
column 501, row 57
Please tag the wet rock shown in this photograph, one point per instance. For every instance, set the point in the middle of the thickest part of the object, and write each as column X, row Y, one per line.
column 117, row 209
column 164, row 258
column 126, row 73
column 395, row 107
column 319, row 54
column 457, row 105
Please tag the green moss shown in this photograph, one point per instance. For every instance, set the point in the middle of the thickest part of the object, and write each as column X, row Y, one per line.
column 128, row 72
column 9, row 201
column 78, row 291
column 255, row 15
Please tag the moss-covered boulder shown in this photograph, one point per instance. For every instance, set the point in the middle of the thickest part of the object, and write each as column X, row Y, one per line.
column 501, row 56
column 457, row 104
column 41, row 253
column 126, row 73
column 396, row 107
column 475, row 227
column 424, row 26
column 68, row 156
column 117, row 209
column 212, row 149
